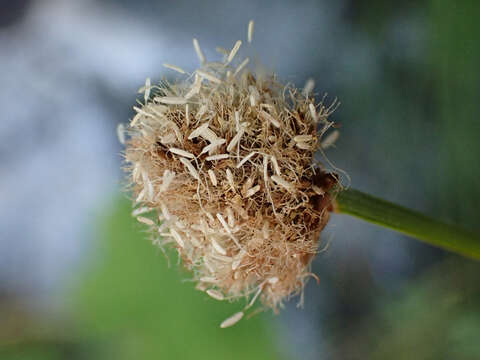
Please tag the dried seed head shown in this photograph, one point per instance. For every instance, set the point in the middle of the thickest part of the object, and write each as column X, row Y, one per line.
column 225, row 157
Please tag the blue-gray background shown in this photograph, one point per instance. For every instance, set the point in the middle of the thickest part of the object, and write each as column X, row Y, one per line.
column 79, row 280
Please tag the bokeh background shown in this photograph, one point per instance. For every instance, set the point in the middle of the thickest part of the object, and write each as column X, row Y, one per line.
column 79, row 279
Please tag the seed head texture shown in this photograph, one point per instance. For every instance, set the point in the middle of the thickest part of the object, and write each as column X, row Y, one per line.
column 221, row 166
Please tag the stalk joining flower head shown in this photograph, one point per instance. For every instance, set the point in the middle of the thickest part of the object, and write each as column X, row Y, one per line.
column 221, row 165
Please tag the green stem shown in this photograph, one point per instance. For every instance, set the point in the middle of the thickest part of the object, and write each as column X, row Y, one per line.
column 414, row 224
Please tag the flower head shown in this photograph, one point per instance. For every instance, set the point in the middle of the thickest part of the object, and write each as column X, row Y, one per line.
column 221, row 164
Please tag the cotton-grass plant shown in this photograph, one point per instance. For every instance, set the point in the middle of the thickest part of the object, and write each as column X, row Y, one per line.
column 221, row 165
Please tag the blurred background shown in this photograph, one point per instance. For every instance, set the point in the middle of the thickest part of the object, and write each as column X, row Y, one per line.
column 79, row 279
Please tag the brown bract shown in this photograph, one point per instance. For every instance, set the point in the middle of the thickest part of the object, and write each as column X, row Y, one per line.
column 222, row 165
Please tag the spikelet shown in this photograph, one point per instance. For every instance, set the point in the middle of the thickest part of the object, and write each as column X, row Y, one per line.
column 229, row 169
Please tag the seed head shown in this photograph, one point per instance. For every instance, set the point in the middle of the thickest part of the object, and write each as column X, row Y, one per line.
column 221, row 164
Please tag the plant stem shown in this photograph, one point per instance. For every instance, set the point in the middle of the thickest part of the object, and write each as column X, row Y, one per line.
column 409, row 222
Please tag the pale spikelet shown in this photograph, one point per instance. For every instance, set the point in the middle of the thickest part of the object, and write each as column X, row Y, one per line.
column 208, row 279
column 217, row 295
column 276, row 167
column 141, row 210
column 199, row 52
column 250, row 31
column 176, row 130
column 255, row 297
column 213, row 146
column 308, row 88
column 168, row 139
column 121, row 133
column 245, row 159
column 218, row 247
column 145, row 220
column 178, row 238
column 195, row 88
column 217, row 157
column 234, row 51
column 167, row 179
column 266, row 116
column 330, row 139
column 230, row 179
column 198, row 131
column 164, row 211
column 237, row 121
column 252, row 191
column 313, row 111
column 232, row 320
column 282, row 182
column 238, row 259
column 213, row 177
column 191, row 169
column 174, row 68
column 140, row 114
column 224, row 223
column 303, row 138
column 172, row 100
column 203, row 109
column 253, row 101
column 223, row 163
column 222, row 50
column 235, row 140
column 182, row 153
column 187, row 114
column 140, row 196
column 303, row 146
column 146, row 94
column 230, row 217
column 241, row 66
column 273, row 280
column 208, row 76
